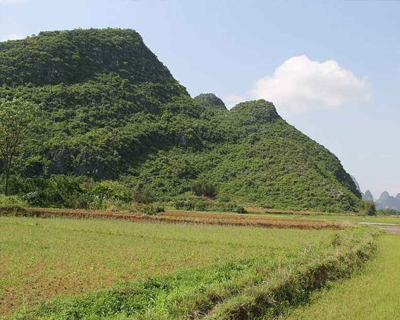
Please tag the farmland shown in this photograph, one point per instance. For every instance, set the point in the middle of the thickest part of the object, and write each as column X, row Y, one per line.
column 43, row 259
column 372, row 294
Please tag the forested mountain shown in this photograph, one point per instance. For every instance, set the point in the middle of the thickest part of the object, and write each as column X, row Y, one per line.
column 113, row 111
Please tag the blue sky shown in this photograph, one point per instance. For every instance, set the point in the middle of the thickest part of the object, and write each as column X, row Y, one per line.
column 332, row 68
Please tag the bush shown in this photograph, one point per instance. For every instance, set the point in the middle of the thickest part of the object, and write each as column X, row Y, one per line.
column 145, row 196
column 6, row 201
column 58, row 190
column 203, row 188
column 152, row 209
column 235, row 208
column 34, row 198
column 388, row 212
column 111, row 190
column 369, row 208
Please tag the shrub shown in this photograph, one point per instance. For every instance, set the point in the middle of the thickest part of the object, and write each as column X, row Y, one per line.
column 111, row 190
column 145, row 196
column 6, row 201
column 369, row 208
column 388, row 212
column 152, row 209
column 203, row 188
column 58, row 190
column 235, row 208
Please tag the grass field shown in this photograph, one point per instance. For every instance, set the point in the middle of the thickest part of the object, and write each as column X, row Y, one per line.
column 373, row 294
column 191, row 217
column 47, row 258
column 336, row 218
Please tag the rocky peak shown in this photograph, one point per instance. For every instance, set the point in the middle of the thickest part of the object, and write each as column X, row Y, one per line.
column 384, row 196
column 210, row 100
column 256, row 111
column 368, row 196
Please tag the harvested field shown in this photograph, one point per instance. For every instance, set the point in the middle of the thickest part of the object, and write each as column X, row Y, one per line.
column 47, row 258
column 228, row 219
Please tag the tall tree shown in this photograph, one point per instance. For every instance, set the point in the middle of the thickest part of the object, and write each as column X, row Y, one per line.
column 18, row 120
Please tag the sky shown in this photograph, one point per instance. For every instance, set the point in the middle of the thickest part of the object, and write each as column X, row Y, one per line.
column 332, row 68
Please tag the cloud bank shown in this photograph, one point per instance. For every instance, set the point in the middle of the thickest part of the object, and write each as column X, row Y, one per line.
column 300, row 85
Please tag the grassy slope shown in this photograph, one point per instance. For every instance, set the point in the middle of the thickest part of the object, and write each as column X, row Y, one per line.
column 43, row 259
column 372, row 295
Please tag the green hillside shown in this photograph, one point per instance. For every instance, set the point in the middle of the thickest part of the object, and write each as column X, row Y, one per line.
column 113, row 111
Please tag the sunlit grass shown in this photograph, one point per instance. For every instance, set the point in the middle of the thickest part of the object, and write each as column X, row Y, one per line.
column 47, row 258
column 374, row 294
column 335, row 217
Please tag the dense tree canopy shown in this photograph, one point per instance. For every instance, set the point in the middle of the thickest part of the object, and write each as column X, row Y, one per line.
column 115, row 112
column 17, row 124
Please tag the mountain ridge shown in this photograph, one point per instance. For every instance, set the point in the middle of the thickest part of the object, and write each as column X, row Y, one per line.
column 126, row 118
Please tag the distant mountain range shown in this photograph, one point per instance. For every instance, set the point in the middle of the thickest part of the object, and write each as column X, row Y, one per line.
column 385, row 201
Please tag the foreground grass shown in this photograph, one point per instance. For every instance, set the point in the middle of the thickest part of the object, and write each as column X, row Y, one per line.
column 240, row 289
column 43, row 259
column 337, row 217
column 374, row 294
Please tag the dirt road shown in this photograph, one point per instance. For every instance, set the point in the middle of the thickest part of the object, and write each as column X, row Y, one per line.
column 388, row 227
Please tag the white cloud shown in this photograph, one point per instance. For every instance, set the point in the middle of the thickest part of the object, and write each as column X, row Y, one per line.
column 12, row 36
column 300, row 85
column 232, row 100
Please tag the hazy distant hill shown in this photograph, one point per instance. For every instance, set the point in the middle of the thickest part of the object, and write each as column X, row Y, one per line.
column 114, row 111
column 368, row 196
column 386, row 201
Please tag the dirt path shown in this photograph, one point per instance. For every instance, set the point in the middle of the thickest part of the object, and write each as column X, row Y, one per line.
column 388, row 227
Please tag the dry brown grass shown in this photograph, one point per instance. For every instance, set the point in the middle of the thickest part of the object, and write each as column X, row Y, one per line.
column 229, row 219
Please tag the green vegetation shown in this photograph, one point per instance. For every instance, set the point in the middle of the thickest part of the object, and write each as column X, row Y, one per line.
column 17, row 122
column 369, row 208
column 373, row 294
column 47, row 258
column 343, row 217
column 213, row 269
column 11, row 201
column 115, row 113
column 388, row 212
column 210, row 100
column 120, row 133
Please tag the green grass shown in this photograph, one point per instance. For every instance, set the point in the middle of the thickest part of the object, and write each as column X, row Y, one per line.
column 243, row 287
column 43, row 259
column 374, row 294
column 337, row 217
